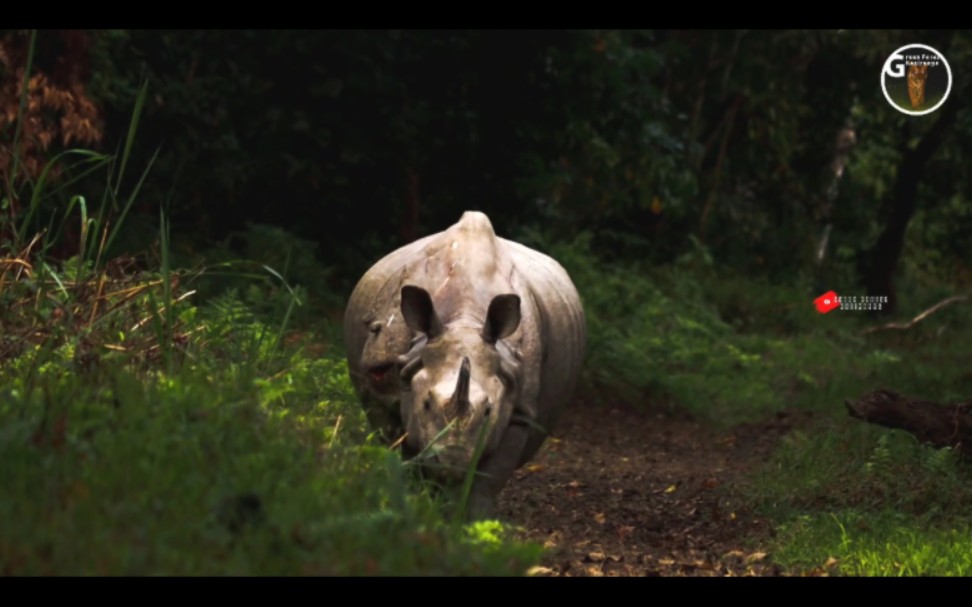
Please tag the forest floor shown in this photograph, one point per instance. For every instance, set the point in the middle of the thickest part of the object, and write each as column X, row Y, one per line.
column 623, row 492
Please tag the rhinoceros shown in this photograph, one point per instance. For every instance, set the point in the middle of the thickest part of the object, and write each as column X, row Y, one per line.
column 461, row 339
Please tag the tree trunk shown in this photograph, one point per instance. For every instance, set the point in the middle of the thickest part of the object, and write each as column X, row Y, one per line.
column 879, row 277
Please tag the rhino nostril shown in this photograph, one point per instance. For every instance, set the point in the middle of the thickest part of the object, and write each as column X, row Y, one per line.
column 428, row 404
column 488, row 411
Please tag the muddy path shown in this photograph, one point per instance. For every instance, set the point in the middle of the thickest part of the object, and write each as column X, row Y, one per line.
column 622, row 492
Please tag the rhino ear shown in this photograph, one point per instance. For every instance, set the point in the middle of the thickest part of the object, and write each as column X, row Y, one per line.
column 503, row 317
column 418, row 311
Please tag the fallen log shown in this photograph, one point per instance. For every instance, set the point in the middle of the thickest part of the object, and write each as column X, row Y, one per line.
column 932, row 423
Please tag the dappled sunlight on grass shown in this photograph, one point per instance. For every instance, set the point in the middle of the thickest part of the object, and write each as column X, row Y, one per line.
column 196, row 473
column 882, row 543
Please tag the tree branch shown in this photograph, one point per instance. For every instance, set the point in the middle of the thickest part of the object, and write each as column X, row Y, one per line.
column 907, row 325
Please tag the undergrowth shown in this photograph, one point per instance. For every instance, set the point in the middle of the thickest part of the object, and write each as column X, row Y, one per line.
column 868, row 501
column 145, row 434
column 165, row 419
column 730, row 348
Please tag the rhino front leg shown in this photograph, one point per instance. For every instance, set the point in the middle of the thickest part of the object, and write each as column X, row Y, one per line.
column 381, row 417
column 495, row 472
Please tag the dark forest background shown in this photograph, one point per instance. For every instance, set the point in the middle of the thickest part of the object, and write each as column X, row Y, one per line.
column 655, row 144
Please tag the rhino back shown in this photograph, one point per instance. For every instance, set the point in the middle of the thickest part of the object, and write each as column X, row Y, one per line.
column 562, row 335
column 464, row 267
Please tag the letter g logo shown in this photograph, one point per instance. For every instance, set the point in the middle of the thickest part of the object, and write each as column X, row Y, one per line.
column 892, row 69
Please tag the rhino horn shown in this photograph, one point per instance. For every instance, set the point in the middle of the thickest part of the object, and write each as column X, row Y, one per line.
column 460, row 399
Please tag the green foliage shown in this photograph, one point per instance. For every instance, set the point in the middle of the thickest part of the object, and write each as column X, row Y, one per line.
column 254, row 263
column 838, row 464
column 242, row 456
column 882, row 543
column 207, row 471
column 619, row 160
column 207, row 446
column 876, row 501
column 731, row 348
column 198, row 438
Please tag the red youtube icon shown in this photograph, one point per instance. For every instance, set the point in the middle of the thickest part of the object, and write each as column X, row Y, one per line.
column 827, row 302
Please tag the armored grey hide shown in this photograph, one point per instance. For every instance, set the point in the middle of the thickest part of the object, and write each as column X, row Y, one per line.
column 464, row 336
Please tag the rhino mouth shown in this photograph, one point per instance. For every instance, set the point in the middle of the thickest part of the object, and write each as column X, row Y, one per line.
column 449, row 462
column 380, row 373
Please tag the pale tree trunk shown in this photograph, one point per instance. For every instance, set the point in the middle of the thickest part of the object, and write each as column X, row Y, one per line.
column 843, row 144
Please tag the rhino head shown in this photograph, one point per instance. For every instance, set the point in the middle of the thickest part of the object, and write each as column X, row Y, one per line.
column 460, row 380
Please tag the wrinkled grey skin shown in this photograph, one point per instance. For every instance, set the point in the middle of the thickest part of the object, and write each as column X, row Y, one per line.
column 471, row 332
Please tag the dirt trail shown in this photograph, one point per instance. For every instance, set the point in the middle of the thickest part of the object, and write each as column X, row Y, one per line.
column 620, row 492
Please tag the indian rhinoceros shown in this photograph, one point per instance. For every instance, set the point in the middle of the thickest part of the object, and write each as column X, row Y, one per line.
column 461, row 337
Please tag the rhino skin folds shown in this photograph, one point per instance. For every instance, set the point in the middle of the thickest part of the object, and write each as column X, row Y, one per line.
column 469, row 333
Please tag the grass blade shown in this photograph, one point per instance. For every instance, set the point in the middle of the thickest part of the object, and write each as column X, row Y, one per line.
column 130, row 137
column 20, row 119
column 128, row 205
column 38, row 194
column 294, row 301
column 472, row 471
